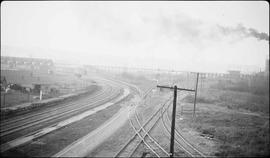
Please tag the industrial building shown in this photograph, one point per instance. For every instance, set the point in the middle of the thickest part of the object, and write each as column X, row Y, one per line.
column 32, row 64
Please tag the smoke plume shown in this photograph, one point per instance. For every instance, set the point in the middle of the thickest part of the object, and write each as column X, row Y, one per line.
column 242, row 31
column 259, row 36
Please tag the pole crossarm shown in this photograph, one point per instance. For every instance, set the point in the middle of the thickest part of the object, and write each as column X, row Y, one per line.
column 181, row 89
column 174, row 110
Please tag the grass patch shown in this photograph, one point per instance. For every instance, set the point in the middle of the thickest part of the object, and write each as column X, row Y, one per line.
column 238, row 135
column 226, row 115
column 232, row 100
column 200, row 99
column 256, row 85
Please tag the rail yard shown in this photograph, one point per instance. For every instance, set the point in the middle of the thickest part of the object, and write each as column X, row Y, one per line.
column 114, row 104
column 21, row 130
column 134, row 79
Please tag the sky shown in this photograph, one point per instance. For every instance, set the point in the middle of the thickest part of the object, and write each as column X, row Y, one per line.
column 178, row 35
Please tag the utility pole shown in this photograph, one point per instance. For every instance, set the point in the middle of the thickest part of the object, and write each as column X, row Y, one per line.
column 194, row 109
column 173, row 114
column 28, row 96
column 4, row 99
column 173, row 121
column 174, row 110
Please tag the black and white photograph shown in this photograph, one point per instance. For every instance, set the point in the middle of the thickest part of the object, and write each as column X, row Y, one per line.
column 134, row 79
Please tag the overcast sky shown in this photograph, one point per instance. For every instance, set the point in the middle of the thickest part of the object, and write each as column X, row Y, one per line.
column 179, row 35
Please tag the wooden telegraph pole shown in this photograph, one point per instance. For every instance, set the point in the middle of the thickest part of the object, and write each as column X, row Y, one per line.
column 4, row 99
column 174, row 110
column 194, row 109
column 173, row 121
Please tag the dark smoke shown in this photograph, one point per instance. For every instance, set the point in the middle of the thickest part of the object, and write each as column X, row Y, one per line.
column 259, row 36
column 242, row 31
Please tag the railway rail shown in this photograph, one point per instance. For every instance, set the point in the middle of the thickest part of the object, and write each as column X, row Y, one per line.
column 151, row 143
column 69, row 150
column 56, row 114
column 51, row 109
column 180, row 140
column 20, row 126
column 13, row 125
column 141, row 134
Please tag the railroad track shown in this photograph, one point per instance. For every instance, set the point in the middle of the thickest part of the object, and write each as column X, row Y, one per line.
column 146, row 138
column 142, row 136
column 56, row 115
column 104, row 92
column 8, row 125
column 69, row 150
column 121, row 83
column 13, row 127
column 51, row 109
column 180, row 140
